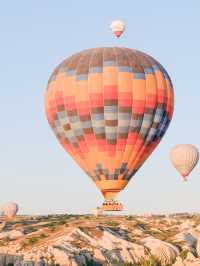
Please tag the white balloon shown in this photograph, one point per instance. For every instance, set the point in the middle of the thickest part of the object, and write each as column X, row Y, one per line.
column 118, row 27
column 184, row 157
column 10, row 209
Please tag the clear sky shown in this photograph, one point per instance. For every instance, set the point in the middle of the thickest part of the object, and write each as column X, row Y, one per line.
column 35, row 36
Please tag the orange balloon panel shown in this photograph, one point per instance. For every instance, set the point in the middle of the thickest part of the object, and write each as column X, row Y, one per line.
column 109, row 108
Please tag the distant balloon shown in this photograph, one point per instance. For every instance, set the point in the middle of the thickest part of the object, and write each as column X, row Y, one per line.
column 97, row 211
column 117, row 27
column 10, row 209
column 184, row 157
column 1, row 212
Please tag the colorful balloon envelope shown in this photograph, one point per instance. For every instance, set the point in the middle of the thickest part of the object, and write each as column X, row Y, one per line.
column 109, row 109
column 118, row 27
column 184, row 158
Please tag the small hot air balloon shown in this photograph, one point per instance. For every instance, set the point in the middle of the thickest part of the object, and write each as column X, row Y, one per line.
column 109, row 109
column 118, row 27
column 10, row 209
column 1, row 212
column 97, row 211
column 184, row 158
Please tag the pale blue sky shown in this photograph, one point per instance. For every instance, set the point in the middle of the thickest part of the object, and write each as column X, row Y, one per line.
column 34, row 37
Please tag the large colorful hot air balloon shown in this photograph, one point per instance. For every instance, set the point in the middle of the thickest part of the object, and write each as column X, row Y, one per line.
column 118, row 27
column 109, row 108
column 184, row 157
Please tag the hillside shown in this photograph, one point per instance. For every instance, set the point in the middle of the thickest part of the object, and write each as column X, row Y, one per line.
column 74, row 240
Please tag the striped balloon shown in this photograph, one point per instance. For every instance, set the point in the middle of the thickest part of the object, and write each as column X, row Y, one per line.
column 109, row 108
column 184, row 157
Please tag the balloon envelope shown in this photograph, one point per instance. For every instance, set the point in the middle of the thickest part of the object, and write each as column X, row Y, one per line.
column 10, row 209
column 118, row 27
column 184, row 157
column 97, row 211
column 109, row 108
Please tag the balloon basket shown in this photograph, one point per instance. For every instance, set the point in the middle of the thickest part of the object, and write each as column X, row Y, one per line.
column 185, row 179
column 111, row 205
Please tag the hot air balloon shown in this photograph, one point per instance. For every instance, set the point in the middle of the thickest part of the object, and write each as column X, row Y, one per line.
column 97, row 211
column 10, row 209
column 184, row 158
column 1, row 212
column 118, row 27
column 109, row 109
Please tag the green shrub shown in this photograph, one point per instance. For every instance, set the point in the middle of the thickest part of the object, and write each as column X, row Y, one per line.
column 62, row 222
column 111, row 223
column 183, row 254
column 4, row 241
column 52, row 227
column 152, row 261
column 33, row 240
column 129, row 218
column 43, row 235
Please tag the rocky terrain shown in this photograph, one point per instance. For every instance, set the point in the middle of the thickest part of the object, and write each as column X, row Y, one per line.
column 73, row 240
